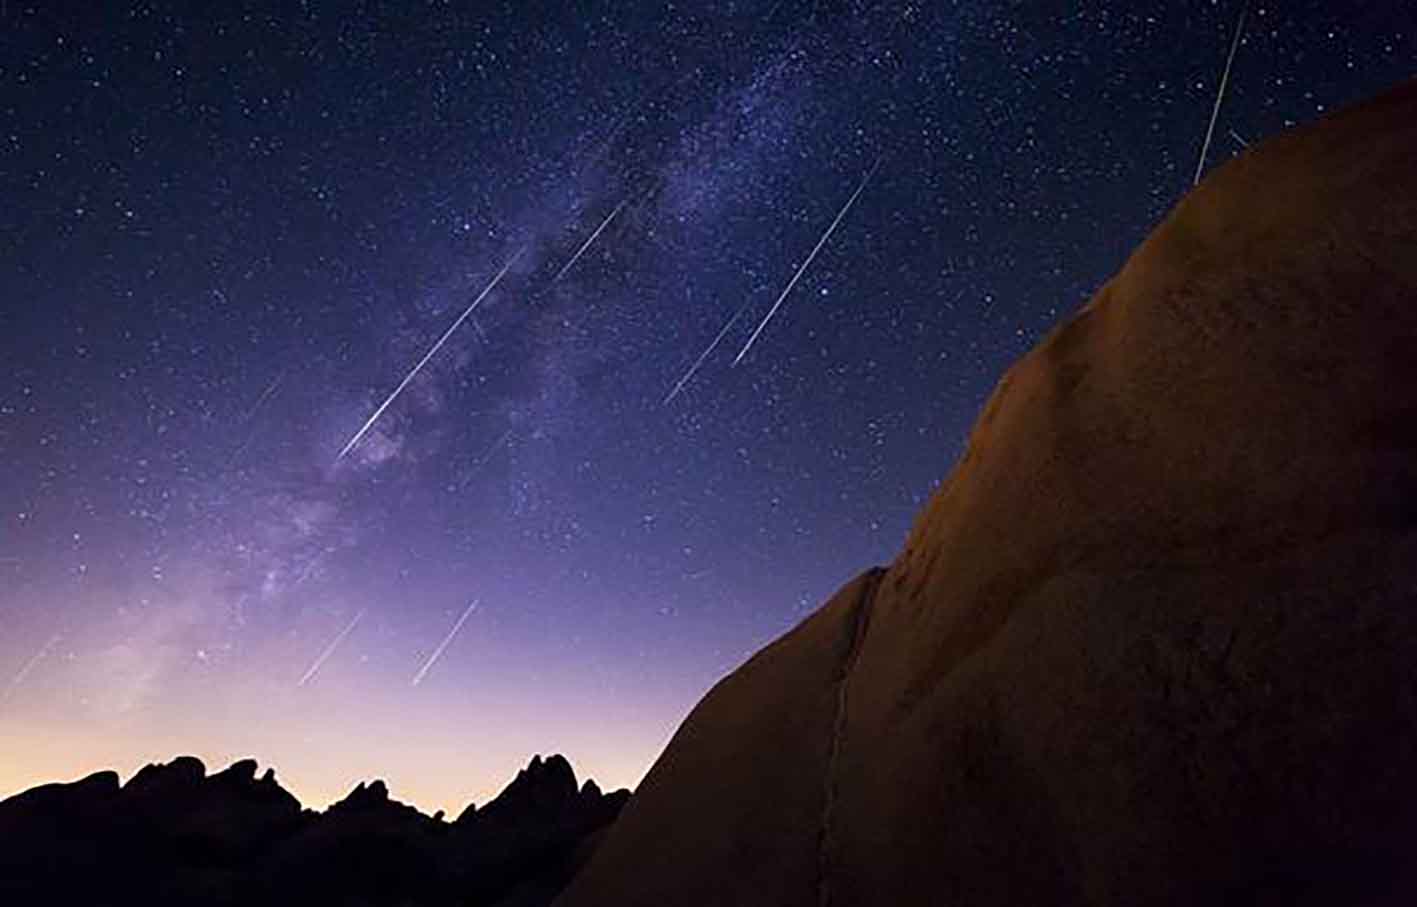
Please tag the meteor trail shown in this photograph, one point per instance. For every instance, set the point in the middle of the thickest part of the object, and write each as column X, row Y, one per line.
column 265, row 395
column 704, row 355
column 438, row 652
column 251, row 414
column 586, row 245
column 359, row 435
column 798, row 276
column 482, row 460
column 493, row 449
column 1220, row 94
column 329, row 650
column 30, row 665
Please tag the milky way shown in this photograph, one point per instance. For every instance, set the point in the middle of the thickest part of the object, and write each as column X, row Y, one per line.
column 227, row 236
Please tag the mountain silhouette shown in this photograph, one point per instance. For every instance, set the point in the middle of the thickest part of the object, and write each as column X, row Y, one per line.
column 174, row 835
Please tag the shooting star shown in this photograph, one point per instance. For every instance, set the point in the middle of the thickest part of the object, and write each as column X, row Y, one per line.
column 251, row 414
column 1220, row 94
column 801, row 270
column 586, row 245
column 498, row 443
column 265, row 395
column 482, row 460
column 438, row 652
column 1239, row 138
column 433, row 351
column 30, row 666
column 329, row 650
column 688, row 376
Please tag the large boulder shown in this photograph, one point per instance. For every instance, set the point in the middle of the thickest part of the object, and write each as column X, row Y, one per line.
column 1155, row 638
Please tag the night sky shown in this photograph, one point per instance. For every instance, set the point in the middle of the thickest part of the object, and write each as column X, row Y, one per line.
column 226, row 238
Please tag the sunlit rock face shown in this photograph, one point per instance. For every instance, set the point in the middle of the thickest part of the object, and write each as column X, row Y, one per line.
column 1154, row 640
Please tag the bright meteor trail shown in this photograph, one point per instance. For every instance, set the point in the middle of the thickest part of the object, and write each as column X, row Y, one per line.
column 1220, row 94
column 359, row 435
column 586, row 245
column 438, row 652
column 329, row 650
column 798, row 276
column 704, row 355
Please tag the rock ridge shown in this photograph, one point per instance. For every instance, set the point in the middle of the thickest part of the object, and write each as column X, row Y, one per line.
column 1152, row 640
column 175, row 835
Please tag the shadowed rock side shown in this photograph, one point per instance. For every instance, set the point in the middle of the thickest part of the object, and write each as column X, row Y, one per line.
column 172, row 835
column 1154, row 640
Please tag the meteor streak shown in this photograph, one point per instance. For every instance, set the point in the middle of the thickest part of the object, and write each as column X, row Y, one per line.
column 438, row 652
column 265, row 395
column 329, row 650
column 688, row 376
column 1220, row 95
column 30, row 666
column 493, row 449
column 251, row 436
column 586, row 245
column 482, row 460
column 798, row 276
column 359, row 435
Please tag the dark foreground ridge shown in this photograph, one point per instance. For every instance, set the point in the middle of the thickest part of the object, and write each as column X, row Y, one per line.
column 1153, row 640
column 174, row 835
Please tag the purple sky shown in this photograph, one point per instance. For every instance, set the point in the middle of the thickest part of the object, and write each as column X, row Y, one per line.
column 226, row 237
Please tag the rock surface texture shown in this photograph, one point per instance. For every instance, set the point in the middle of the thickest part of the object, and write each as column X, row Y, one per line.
column 1154, row 641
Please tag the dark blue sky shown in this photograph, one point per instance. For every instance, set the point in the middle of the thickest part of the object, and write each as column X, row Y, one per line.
column 226, row 236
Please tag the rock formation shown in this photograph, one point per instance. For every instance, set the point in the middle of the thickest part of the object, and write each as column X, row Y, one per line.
column 173, row 835
column 1154, row 641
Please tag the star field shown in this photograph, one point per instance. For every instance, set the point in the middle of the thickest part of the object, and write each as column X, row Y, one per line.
column 226, row 236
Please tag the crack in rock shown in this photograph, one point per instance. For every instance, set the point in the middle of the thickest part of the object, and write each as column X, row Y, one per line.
column 861, row 620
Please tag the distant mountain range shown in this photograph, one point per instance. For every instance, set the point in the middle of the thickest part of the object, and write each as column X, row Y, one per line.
column 175, row 835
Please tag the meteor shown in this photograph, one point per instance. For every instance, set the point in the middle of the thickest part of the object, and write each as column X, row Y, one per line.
column 329, row 650
column 704, row 355
column 265, row 395
column 30, row 666
column 251, row 436
column 506, row 435
column 438, row 652
column 359, row 435
column 798, row 276
column 482, row 460
column 586, row 245
column 1220, row 95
